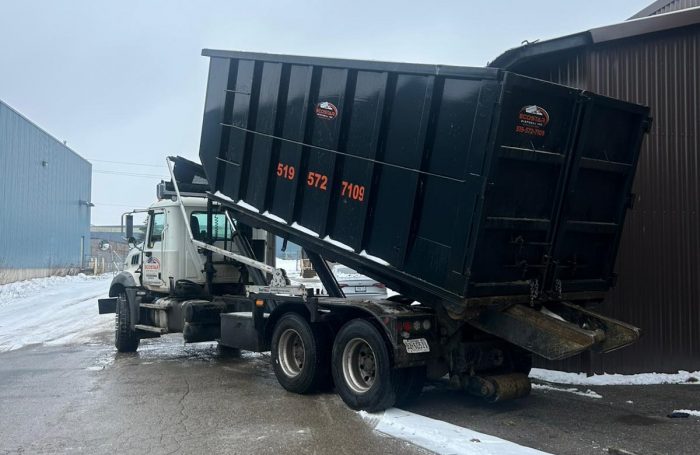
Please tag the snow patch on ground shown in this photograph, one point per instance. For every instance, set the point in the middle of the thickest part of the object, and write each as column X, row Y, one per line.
column 441, row 437
column 12, row 291
column 588, row 393
column 293, row 269
column 561, row 377
column 291, row 266
column 54, row 310
column 689, row 412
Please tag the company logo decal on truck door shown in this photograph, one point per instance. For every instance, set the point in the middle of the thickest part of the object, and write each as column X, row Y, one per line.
column 151, row 268
column 326, row 110
column 532, row 120
column 152, row 264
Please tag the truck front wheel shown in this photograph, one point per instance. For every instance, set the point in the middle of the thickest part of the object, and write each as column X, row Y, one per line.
column 299, row 355
column 361, row 368
column 125, row 339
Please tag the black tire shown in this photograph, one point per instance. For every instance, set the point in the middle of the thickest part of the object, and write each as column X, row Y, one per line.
column 299, row 355
column 125, row 339
column 367, row 380
column 411, row 386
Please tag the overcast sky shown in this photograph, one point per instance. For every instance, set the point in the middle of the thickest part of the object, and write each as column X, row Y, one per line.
column 125, row 81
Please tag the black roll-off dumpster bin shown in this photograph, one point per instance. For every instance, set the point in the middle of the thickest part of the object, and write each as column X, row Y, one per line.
column 459, row 185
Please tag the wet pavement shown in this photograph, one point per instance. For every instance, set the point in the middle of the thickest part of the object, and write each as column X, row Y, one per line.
column 168, row 398
column 630, row 418
column 172, row 398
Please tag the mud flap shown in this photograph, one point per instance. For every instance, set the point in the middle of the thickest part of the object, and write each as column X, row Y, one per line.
column 552, row 338
column 106, row 306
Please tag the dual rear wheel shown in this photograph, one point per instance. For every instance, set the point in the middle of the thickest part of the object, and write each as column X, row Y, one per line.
column 299, row 355
column 359, row 364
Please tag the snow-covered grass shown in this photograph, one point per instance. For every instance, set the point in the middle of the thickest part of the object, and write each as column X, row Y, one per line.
column 12, row 291
column 54, row 310
column 442, row 437
column 561, row 377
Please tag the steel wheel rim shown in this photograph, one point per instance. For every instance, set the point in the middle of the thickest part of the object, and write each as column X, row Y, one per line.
column 290, row 353
column 359, row 365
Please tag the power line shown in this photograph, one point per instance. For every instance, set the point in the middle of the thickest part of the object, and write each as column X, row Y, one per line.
column 116, row 205
column 128, row 174
column 129, row 163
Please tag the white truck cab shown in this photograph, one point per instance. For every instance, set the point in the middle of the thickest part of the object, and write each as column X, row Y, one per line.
column 167, row 255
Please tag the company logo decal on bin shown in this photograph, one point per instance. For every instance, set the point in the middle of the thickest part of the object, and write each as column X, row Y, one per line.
column 326, row 110
column 532, row 120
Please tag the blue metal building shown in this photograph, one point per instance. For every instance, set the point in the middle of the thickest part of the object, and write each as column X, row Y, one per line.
column 44, row 202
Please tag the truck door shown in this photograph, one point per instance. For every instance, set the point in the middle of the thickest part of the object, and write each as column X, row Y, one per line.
column 153, row 251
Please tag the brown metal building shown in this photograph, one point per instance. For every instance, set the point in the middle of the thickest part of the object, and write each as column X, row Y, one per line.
column 665, row 6
column 652, row 59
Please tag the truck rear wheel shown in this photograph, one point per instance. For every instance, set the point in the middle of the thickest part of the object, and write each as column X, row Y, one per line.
column 125, row 339
column 361, row 368
column 299, row 355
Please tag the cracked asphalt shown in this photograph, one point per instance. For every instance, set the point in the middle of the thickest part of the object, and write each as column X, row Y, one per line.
column 165, row 399
column 174, row 398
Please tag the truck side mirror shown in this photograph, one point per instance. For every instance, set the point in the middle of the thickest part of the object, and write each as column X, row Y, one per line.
column 130, row 228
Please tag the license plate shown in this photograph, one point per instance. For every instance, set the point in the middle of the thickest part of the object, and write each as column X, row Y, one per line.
column 416, row 346
column 360, row 289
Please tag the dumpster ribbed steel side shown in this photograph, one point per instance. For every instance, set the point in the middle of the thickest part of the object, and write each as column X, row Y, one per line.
column 461, row 183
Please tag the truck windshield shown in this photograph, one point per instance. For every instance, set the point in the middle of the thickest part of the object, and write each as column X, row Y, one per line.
column 220, row 228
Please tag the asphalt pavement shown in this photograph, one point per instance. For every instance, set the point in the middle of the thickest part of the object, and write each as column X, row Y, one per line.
column 175, row 398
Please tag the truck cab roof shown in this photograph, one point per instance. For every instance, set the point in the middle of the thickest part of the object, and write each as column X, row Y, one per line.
column 190, row 202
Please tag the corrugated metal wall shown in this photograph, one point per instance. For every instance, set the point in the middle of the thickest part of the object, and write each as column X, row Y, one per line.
column 674, row 5
column 42, row 182
column 659, row 258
